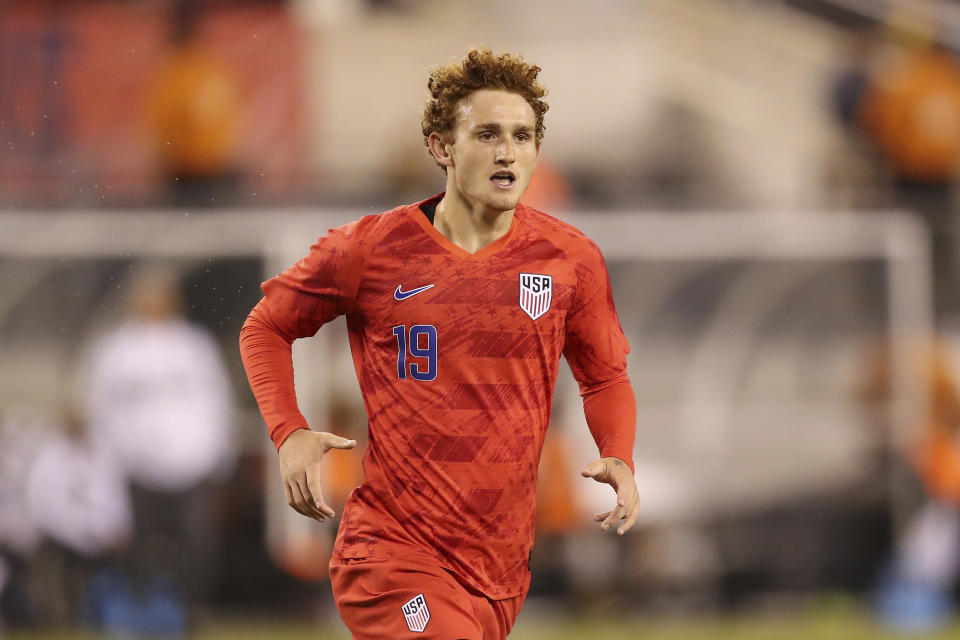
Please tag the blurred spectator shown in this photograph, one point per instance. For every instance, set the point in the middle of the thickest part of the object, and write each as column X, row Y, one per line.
column 549, row 189
column 916, row 590
column 159, row 398
column 78, row 499
column 22, row 434
column 192, row 115
column 343, row 471
column 558, row 513
column 910, row 111
column 410, row 173
column 853, row 79
column 855, row 173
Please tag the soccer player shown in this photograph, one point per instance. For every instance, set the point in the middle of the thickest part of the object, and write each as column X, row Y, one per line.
column 458, row 309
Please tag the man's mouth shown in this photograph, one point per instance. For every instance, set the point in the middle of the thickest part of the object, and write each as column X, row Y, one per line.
column 503, row 179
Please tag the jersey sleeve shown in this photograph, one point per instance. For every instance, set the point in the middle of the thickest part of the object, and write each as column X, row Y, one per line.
column 296, row 304
column 596, row 350
column 594, row 345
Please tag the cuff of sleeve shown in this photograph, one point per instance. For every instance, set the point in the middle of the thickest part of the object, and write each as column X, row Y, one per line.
column 280, row 434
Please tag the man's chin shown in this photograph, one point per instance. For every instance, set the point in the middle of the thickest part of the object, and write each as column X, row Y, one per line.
column 504, row 201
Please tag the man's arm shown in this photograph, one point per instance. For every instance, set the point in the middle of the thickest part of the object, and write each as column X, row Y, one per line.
column 611, row 415
column 266, row 350
column 315, row 290
column 267, row 359
column 596, row 350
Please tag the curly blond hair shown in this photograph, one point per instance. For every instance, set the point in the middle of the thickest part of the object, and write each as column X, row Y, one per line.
column 480, row 69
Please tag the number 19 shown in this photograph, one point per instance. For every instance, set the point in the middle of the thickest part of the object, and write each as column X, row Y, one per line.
column 429, row 352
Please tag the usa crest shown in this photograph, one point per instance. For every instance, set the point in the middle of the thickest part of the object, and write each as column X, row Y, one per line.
column 416, row 613
column 536, row 293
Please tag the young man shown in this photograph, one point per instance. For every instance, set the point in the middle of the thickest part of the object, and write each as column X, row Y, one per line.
column 458, row 309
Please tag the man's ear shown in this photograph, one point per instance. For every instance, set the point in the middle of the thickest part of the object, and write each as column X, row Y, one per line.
column 440, row 148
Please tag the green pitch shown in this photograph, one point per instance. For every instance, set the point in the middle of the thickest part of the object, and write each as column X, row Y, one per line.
column 823, row 623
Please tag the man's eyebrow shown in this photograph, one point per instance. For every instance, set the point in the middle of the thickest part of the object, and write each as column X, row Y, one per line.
column 494, row 126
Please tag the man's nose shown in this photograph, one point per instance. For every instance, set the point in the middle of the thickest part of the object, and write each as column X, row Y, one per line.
column 505, row 153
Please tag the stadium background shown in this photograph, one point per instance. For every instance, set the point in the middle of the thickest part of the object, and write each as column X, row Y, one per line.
column 772, row 183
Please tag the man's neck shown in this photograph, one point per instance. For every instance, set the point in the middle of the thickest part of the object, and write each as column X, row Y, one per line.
column 471, row 227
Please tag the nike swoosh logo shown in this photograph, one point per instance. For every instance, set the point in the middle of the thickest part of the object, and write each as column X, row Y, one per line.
column 400, row 295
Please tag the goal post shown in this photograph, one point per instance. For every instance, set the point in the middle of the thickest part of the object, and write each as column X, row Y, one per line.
column 745, row 330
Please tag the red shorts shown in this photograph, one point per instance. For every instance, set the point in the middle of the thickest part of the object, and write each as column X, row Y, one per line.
column 388, row 598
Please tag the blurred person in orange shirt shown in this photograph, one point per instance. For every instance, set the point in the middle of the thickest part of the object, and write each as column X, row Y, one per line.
column 192, row 117
column 344, row 473
column 910, row 110
column 916, row 590
column 935, row 451
column 558, row 511
column 549, row 189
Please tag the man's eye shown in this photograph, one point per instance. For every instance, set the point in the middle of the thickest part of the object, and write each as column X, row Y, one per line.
column 486, row 135
column 522, row 137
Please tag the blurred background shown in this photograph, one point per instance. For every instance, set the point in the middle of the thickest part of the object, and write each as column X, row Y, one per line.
column 773, row 183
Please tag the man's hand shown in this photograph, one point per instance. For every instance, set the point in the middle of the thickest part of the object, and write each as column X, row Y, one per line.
column 300, row 456
column 616, row 473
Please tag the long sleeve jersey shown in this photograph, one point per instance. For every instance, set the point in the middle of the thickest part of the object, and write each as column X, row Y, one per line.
column 457, row 355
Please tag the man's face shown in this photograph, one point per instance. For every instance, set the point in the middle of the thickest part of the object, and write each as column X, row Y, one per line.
column 494, row 148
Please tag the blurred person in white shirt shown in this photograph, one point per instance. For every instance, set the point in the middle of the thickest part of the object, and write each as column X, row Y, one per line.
column 77, row 498
column 159, row 398
column 23, row 432
column 76, row 494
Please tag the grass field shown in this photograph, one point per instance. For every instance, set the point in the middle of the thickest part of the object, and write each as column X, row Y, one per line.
column 823, row 622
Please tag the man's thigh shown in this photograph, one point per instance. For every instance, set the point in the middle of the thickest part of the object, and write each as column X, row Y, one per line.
column 380, row 599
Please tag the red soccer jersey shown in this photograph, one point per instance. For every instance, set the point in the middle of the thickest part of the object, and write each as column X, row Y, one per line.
column 457, row 356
